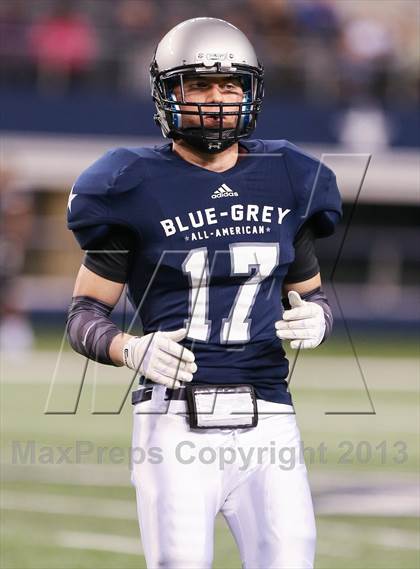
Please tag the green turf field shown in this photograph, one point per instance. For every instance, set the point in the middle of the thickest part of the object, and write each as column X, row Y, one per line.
column 359, row 424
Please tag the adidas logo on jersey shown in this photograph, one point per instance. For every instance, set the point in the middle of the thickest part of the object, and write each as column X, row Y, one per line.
column 224, row 192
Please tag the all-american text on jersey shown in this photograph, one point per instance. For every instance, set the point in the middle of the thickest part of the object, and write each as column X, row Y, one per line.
column 215, row 267
column 210, row 216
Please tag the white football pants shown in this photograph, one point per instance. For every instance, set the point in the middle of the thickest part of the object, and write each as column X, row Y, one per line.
column 255, row 477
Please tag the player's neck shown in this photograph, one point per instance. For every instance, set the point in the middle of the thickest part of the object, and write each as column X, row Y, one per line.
column 219, row 162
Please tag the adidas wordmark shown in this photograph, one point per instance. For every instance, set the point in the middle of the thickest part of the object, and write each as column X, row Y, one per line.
column 224, row 192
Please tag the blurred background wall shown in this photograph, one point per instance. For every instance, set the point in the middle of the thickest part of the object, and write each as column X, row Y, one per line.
column 342, row 79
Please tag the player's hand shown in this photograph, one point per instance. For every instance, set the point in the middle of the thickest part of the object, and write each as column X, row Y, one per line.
column 160, row 358
column 304, row 323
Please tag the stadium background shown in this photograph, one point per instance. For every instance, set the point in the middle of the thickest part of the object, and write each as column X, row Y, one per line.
column 342, row 80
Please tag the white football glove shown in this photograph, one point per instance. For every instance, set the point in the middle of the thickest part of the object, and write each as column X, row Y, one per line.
column 160, row 358
column 304, row 323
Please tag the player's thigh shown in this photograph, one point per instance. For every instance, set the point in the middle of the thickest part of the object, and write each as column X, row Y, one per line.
column 177, row 495
column 177, row 528
column 271, row 513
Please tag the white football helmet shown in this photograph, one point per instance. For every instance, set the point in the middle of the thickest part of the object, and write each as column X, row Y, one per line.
column 205, row 46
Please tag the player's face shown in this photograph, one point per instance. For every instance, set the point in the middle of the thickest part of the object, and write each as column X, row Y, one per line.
column 210, row 89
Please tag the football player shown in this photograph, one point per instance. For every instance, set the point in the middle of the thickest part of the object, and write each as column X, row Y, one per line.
column 213, row 234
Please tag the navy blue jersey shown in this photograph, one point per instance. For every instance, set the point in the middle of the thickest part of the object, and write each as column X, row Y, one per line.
column 212, row 249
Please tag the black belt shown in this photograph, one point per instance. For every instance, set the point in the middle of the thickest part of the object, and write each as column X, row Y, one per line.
column 145, row 394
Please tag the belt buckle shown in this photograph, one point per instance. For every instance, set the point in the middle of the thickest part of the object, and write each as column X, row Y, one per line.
column 221, row 406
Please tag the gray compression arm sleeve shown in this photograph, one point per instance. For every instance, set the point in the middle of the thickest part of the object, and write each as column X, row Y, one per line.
column 90, row 330
column 318, row 296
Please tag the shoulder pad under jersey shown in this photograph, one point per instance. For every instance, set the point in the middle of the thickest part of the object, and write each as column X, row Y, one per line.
column 315, row 186
column 91, row 207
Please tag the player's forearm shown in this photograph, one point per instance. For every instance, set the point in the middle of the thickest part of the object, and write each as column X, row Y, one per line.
column 92, row 333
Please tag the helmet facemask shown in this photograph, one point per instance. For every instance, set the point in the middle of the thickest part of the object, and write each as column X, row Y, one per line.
column 173, row 110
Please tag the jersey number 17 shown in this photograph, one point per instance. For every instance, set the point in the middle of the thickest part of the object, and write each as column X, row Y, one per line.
column 264, row 257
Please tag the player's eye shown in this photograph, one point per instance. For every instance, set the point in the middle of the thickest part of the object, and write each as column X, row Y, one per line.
column 234, row 87
column 198, row 85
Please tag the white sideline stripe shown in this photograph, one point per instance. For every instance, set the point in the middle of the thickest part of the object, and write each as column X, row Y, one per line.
column 69, row 505
column 362, row 505
column 17, row 372
column 337, row 504
column 100, row 542
column 325, row 548
column 391, row 538
column 107, row 475
column 386, row 537
column 73, row 475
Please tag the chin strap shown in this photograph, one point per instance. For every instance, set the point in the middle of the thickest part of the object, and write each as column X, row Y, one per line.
column 193, row 137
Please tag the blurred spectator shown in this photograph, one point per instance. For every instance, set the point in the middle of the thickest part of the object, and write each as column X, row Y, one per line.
column 327, row 50
column 278, row 44
column 64, row 47
column 365, row 57
column 134, row 38
column 317, row 29
column 367, row 50
column 14, row 60
column 316, row 18
column 16, row 213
